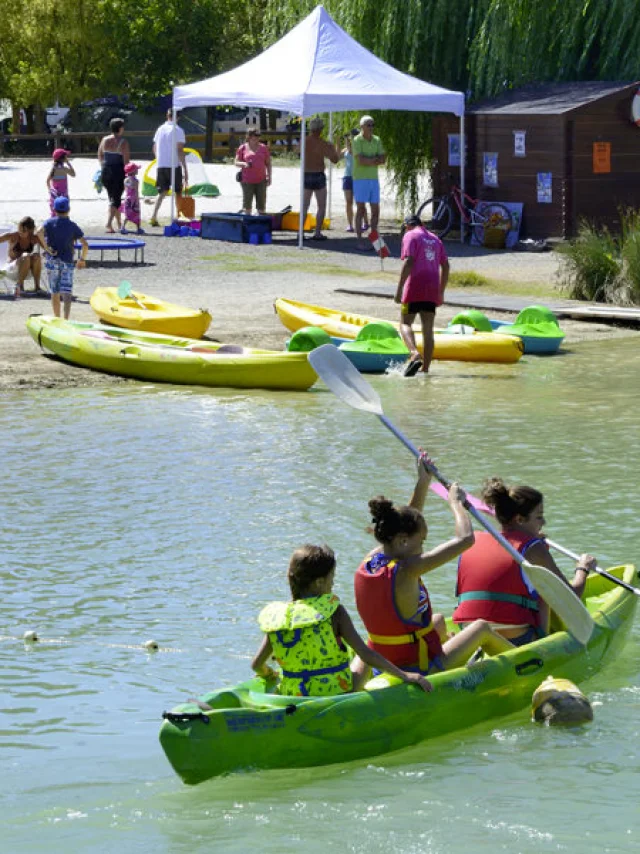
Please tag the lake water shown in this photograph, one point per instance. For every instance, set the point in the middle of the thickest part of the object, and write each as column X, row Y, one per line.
column 155, row 512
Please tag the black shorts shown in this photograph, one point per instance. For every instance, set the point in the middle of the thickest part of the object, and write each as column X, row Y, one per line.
column 417, row 307
column 163, row 179
column 315, row 180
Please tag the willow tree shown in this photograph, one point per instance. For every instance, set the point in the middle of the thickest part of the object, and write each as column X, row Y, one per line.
column 532, row 41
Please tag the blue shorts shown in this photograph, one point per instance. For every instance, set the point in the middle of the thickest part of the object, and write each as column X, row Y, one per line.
column 60, row 275
column 347, row 183
column 366, row 191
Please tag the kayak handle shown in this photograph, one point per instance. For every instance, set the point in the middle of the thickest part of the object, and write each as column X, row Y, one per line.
column 529, row 666
column 185, row 717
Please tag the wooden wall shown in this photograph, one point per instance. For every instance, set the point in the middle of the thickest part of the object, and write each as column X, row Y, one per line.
column 561, row 144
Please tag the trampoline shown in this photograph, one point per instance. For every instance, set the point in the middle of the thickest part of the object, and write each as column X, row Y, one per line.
column 114, row 244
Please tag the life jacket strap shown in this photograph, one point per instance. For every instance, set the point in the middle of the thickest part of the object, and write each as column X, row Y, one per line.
column 414, row 637
column 305, row 675
column 492, row 596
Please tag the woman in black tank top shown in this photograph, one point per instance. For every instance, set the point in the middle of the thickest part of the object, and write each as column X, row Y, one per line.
column 113, row 154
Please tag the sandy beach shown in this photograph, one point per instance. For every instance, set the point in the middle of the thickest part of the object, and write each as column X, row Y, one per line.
column 236, row 282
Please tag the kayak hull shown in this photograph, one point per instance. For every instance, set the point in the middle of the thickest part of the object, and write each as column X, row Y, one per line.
column 169, row 359
column 475, row 347
column 154, row 315
column 252, row 729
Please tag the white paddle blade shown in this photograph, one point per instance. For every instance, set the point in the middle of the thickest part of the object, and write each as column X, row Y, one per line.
column 343, row 379
column 563, row 601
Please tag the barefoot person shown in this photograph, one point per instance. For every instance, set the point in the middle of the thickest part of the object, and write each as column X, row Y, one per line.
column 423, row 279
column 113, row 154
column 61, row 234
column 391, row 598
column 316, row 150
column 24, row 257
column 168, row 148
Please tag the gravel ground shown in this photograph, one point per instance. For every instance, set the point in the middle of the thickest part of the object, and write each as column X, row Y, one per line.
column 239, row 282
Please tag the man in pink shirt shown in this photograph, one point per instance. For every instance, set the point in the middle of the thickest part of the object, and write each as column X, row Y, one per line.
column 420, row 290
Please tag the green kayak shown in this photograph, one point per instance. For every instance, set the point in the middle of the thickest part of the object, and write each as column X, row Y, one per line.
column 250, row 728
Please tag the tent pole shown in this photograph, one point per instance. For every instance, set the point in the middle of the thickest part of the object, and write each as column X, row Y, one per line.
column 330, row 169
column 303, row 136
column 463, row 165
column 173, row 160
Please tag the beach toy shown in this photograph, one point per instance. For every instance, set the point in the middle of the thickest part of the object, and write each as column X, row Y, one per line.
column 307, row 339
column 472, row 317
column 199, row 181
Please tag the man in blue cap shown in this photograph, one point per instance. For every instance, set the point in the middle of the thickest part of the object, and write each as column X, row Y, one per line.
column 61, row 234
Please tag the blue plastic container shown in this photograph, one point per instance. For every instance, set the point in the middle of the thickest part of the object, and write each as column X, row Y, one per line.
column 184, row 231
column 237, row 228
column 267, row 238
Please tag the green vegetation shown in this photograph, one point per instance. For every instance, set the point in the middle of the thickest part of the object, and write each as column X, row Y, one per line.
column 468, row 279
column 601, row 268
column 234, row 263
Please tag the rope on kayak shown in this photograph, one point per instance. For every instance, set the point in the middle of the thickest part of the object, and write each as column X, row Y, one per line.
column 185, row 717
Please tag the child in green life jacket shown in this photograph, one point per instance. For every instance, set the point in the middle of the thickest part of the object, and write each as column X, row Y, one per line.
column 309, row 636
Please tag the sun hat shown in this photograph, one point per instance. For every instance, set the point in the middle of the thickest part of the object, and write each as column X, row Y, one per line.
column 61, row 204
column 59, row 153
column 316, row 124
column 365, row 120
column 131, row 168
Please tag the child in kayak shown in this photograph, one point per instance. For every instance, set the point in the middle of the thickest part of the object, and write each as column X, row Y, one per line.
column 492, row 585
column 392, row 599
column 420, row 290
column 308, row 636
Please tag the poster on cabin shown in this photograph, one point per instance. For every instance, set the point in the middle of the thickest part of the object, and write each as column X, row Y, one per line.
column 544, row 184
column 454, row 149
column 519, row 143
column 601, row 158
column 490, row 169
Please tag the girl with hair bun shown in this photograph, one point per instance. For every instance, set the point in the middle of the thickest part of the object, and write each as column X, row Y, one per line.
column 391, row 598
column 492, row 585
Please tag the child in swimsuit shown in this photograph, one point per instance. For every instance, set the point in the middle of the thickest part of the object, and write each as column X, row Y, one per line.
column 131, row 199
column 57, row 180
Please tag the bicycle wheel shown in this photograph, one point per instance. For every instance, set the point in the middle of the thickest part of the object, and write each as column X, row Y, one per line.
column 438, row 216
column 486, row 211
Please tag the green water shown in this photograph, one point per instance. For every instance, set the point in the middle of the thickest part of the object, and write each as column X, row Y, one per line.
column 151, row 512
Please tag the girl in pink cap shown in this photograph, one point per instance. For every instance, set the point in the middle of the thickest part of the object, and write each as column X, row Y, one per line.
column 131, row 199
column 57, row 182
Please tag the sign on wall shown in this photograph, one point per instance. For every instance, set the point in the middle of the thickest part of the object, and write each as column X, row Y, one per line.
column 490, row 169
column 544, row 187
column 601, row 158
column 519, row 143
column 454, row 149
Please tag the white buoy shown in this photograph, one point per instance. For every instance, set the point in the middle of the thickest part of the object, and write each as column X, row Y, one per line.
column 151, row 646
column 30, row 637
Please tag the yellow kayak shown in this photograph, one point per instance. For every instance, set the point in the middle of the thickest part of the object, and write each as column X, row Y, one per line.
column 471, row 346
column 149, row 314
column 170, row 359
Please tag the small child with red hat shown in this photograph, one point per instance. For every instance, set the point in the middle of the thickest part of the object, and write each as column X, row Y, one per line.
column 132, row 199
column 57, row 182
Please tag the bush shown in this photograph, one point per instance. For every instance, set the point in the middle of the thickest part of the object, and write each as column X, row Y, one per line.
column 630, row 284
column 592, row 265
column 468, row 279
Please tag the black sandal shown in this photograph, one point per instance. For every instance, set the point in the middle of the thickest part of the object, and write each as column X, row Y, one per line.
column 412, row 367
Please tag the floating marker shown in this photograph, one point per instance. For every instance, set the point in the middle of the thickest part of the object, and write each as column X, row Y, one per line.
column 30, row 637
column 151, row 646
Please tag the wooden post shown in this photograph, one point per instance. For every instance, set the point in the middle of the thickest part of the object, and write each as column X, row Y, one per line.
column 208, row 139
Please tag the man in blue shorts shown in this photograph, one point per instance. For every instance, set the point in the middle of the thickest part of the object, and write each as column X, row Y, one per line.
column 368, row 154
column 60, row 235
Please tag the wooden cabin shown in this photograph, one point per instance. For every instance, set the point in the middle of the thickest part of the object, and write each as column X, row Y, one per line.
column 566, row 151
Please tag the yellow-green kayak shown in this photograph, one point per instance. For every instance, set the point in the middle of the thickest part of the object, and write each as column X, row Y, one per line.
column 251, row 727
column 169, row 359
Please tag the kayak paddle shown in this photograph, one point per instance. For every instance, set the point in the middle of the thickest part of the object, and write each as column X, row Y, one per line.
column 480, row 505
column 125, row 291
column 346, row 382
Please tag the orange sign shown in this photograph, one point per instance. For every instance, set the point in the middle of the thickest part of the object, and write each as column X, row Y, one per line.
column 601, row 157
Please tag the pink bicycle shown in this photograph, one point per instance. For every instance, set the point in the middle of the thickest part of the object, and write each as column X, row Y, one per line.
column 441, row 213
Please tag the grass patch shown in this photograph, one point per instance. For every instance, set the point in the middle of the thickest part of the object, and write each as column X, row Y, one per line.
column 468, row 279
column 242, row 263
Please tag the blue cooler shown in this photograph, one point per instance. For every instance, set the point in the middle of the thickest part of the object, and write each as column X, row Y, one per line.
column 235, row 227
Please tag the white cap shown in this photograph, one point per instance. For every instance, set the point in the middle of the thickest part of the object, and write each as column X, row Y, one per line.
column 366, row 119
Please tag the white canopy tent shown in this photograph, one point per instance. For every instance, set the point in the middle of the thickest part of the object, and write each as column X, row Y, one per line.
column 317, row 67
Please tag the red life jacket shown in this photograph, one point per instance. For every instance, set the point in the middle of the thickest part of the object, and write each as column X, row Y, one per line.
column 406, row 643
column 491, row 584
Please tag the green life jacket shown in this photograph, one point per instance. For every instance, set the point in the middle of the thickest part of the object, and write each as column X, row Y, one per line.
column 314, row 662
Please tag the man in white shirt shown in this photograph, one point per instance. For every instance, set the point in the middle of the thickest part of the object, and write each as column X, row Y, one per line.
column 163, row 150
